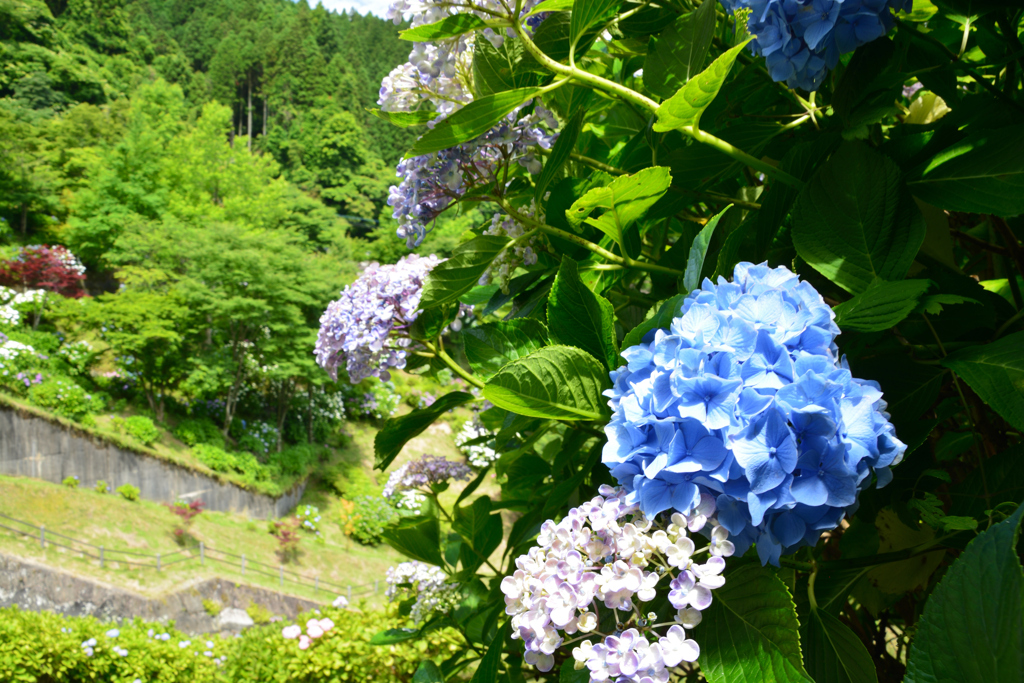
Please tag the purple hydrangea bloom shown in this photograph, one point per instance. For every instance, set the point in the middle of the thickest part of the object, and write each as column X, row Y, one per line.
column 429, row 469
column 801, row 40
column 744, row 398
column 365, row 328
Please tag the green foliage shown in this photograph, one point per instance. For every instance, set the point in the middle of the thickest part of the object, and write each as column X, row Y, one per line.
column 142, row 429
column 212, row 607
column 64, row 397
column 101, row 486
column 370, row 516
column 128, row 492
column 194, row 431
column 578, row 317
column 258, row 613
column 70, row 482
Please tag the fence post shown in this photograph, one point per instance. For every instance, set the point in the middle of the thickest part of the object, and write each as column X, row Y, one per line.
column 42, row 537
column 316, row 585
column 202, row 558
column 243, row 564
column 158, row 561
column 350, row 594
column 281, row 574
column 101, row 557
column 376, row 583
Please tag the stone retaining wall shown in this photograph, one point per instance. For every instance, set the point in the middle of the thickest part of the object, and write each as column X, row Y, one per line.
column 34, row 447
column 36, row 587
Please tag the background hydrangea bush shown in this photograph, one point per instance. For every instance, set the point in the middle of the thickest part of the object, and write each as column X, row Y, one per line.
column 744, row 346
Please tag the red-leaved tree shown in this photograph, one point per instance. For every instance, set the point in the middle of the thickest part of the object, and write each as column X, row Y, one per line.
column 40, row 266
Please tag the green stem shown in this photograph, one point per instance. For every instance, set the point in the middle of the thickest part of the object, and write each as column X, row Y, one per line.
column 796, row 564
column 810, row 583
column 439, row 351
column 633, row 97
column 1009, row 323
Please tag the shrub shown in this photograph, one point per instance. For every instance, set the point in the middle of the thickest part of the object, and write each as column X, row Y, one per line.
column 54, row 269
column 43, row 646
column 295, row 460
column 217, row 459
column 128, row 492
column 213, row 608
column 369, row 517
column 287, row 535
column 258, row 613
column 258, row 437
column 184, row 514
column 78, row 357
column 351, row 480
column 63, row 397
column 193, row 431
column 142, row 429
column 101, row 487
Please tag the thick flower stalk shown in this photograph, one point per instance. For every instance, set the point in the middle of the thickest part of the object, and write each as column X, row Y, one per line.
column 596, row 574
column 802, row 40
column 744, row 398
column 426, row 584
column 367, row 327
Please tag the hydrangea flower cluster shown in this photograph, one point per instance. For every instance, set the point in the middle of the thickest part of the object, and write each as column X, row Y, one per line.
column 801, row 40
column 521, row 253
column 432, row 182
column 309, row 516
column 9, row 316
column 479, row 455
column 421, row 474
column 366, row 327
column 427, row 584
column 608, row 554
column 315, row 628
column 744, row 398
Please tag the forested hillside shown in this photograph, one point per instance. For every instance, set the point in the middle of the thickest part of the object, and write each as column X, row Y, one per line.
column 92, row 93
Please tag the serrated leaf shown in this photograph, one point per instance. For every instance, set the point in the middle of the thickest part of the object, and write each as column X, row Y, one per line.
column 933, row 303
column 698, row 252
column 749, row 634
column 679, row 52
column 491, row 347
column 881, row 306
column 660, row 316
column 551, row 6
column 996, row 373
column 559, row 382
column 459, row 274
column 982, row 174
column 855, row 221
column 498, row 69
column 472, row 121
column 578, row 317
column 585, row 13
column 683, row 110
column 834, row 654
column 394, row 635
column 397, row 431
column 560, row 153
column 972, row 629
column 954, row 523
column 625, row 199
column 570, row 674
column 449, row 27
column 405, row 119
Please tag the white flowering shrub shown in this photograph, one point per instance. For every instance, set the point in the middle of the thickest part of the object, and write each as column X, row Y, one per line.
column 472, row 441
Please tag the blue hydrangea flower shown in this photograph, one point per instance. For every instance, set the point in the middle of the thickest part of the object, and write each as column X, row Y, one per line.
column 801, row 40
column 744, row 398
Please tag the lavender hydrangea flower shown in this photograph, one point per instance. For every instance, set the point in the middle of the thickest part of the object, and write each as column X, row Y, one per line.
column 744, row 398
column 607, row 554
column 801, row 40
column 365, row 328
column 427, row 584
column 422, row 473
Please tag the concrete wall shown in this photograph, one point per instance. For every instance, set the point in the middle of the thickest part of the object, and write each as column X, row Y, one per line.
column 37, row 587
column 33, row 447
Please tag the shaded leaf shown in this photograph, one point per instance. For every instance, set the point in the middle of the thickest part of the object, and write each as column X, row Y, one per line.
column 834, row 654
column 854, row 221
column 397, row 431
column 405, row 119
column 660, row 316
column 680, row 51
column 563, row 147
column 881, row 306
column 578, row 317
column 625, row 199
column 972, row 629
column 996, row 373
column 492, row 346
column 698, row 252
column 418, row 538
